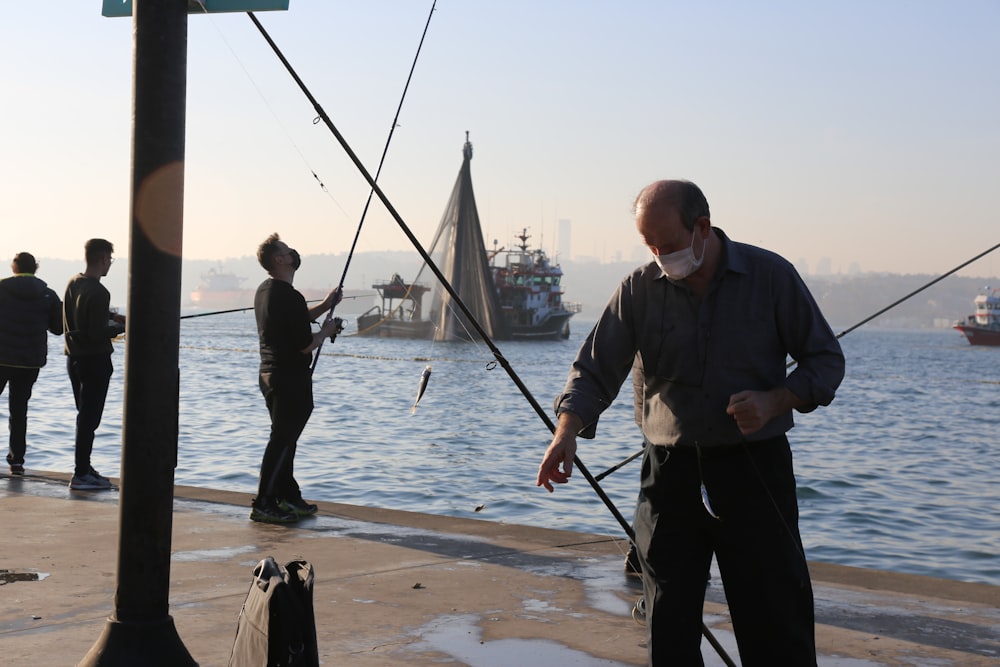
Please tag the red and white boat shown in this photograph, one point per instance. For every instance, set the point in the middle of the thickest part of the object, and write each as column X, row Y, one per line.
column 530, row 294
column 983, row 327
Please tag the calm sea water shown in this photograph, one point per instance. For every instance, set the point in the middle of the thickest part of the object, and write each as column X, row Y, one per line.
column 898, row 474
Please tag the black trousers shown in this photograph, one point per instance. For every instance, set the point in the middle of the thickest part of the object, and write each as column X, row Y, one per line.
column 289, row 398
column 21, row 380
column 756, row 545
column 90, row 377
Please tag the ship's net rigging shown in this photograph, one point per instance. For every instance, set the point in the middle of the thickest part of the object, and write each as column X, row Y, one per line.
column 460, row 254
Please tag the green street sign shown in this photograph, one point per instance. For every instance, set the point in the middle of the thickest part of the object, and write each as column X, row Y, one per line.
column 124, row 7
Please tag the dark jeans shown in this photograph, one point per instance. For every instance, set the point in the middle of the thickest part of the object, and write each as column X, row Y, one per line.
column 289, row 398
column 756, row 545
column 90, row 377
column 21, row 380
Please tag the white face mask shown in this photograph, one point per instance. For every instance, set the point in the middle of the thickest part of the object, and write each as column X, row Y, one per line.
column 681, row 264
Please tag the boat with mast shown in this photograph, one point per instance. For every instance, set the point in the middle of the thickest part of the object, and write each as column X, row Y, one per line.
column 513, row 294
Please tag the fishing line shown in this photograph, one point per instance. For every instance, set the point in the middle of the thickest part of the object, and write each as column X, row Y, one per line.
column 381, row 162
column 344, row 355
column 626, row 526
column 274, row 115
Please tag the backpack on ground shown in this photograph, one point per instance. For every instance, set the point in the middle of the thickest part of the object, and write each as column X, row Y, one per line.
column 277, row 627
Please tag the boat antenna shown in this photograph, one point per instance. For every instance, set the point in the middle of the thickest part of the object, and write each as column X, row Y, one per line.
column 626, row 526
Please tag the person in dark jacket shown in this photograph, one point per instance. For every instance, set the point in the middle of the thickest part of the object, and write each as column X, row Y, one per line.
column 90, row 326
column 286, row 345
column 28, row 308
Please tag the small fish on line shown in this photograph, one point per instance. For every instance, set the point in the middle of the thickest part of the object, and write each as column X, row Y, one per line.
column 424, row 377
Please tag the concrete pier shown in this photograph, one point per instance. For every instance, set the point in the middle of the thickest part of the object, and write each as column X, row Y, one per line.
column 396, row 587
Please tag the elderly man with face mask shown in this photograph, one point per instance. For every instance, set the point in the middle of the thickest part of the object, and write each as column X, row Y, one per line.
column 705, row 329
column 286, row 345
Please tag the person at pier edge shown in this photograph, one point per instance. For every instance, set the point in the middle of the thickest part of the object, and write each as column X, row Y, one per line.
column 286, row 344
column 90, row 326
column 708, row 325
column 28, row 309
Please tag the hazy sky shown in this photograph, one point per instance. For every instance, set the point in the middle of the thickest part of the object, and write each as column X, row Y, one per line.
column 862, row 131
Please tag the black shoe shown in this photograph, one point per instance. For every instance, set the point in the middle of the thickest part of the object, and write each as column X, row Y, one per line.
column 267, row 511
column 299, row 508
column 17, row 469
column 93, row 481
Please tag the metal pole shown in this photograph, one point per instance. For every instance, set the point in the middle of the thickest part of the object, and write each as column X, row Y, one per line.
column 140, row 631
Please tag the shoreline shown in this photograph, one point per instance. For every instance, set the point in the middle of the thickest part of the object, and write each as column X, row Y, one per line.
column 397, row 587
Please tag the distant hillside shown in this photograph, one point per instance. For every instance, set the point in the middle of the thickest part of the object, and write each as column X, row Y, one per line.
column 846, row 300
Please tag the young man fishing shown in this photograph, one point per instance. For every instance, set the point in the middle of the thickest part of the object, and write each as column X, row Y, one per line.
column 707, row 327
column 286, row 345
column 90, row 327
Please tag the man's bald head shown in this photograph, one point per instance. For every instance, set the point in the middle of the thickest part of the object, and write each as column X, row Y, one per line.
column 683, row 196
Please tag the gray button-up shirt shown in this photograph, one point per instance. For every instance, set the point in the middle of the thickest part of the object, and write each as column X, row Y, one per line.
column 689, row 355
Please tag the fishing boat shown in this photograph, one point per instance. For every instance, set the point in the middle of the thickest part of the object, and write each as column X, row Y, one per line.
column 530, row 293
column 399, row 315
column 512, row 294
column 983, row 326
column 220, row 289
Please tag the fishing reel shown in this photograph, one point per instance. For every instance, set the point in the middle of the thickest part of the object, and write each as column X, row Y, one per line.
column 339, row 328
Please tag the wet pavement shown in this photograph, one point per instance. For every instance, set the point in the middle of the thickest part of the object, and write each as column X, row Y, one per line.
column 397, row 587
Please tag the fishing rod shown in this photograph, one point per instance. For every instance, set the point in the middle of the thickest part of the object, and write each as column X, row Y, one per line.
column 217, row 312
column 246, row 308
column 615, row 467
column 917, row 291
column 484, row 336
column 911, row 294
column 385, row 149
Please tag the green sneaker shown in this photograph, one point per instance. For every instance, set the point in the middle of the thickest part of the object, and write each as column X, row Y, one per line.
column 266, row 511
column 299, row 508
